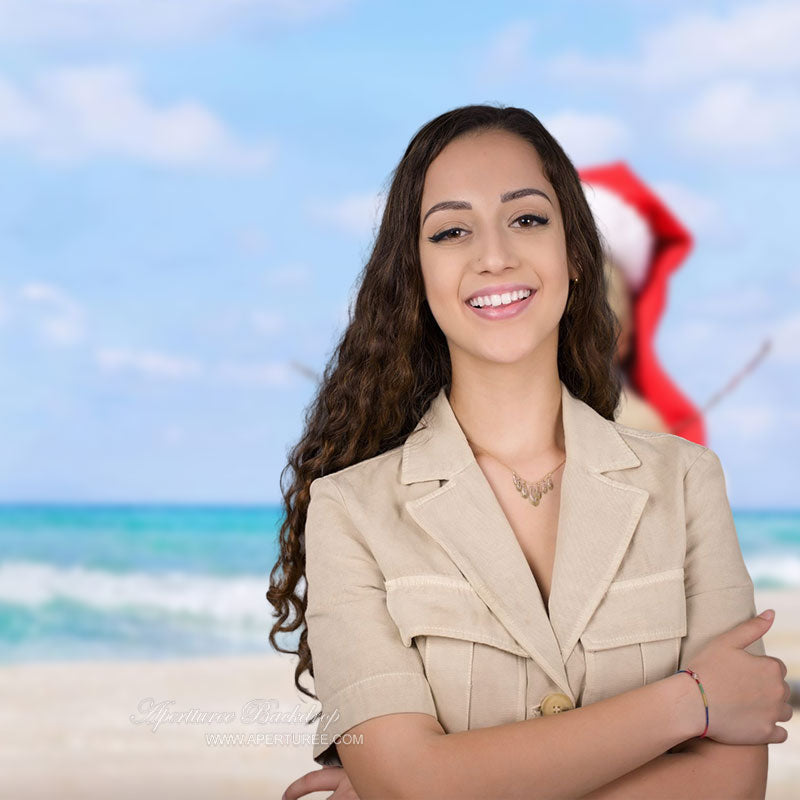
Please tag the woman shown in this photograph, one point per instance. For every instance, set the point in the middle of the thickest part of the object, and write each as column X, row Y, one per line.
column 483, row 547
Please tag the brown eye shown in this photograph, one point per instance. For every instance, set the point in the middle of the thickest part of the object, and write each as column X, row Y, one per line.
column 444, row 235
column 540, row 219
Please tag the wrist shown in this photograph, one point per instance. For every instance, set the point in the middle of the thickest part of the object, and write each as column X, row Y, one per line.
column 688, row 709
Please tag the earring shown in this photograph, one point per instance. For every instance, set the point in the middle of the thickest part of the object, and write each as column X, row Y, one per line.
column 573, row 282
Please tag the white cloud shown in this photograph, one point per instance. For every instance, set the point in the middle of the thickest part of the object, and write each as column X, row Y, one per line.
column 587, row 137
column 148, row 362
column 57, row 316
column 736, row 118
column 358, row 213
column 51, row 21
column 754, row 39
column 155, row 364
column 76, row 113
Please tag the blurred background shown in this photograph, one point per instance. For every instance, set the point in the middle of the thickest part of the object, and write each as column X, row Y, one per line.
column 189, row 191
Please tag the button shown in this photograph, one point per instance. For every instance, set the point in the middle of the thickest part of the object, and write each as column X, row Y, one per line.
column 556, row 703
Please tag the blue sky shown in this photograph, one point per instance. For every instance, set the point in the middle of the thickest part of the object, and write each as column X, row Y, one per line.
column 189, row 192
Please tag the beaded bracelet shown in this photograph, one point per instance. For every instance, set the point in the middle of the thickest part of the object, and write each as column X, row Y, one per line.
column 694, row 675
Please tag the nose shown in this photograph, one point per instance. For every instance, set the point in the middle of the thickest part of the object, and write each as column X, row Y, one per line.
column 494, row 251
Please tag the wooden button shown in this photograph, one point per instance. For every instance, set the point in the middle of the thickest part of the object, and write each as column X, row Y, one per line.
column 556, row 703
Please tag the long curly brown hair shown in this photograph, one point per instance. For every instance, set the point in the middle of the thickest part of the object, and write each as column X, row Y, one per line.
column 392, row 358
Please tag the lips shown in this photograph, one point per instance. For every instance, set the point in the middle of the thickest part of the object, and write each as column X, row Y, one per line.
column 503, row 311
column 502, row 288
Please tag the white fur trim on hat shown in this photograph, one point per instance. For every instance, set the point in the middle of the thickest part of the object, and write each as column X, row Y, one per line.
column 628, row 237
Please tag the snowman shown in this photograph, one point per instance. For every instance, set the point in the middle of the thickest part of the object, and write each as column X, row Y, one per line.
column 643, row 245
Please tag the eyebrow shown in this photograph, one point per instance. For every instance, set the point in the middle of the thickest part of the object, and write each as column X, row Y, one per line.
column 504, row 198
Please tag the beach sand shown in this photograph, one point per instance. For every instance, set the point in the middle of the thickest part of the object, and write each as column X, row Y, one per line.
column 68, row 729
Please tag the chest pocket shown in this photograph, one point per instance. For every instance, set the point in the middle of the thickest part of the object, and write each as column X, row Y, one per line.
column 475, row 668
column 634, row 636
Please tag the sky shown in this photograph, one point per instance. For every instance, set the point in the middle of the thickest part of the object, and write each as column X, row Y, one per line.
column 189, row 191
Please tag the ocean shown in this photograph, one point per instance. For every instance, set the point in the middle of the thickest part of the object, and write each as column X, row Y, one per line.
column 154, row 582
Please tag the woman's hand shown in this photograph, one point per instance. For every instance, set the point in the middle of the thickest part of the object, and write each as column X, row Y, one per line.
column 747, row 694
column 321, row 780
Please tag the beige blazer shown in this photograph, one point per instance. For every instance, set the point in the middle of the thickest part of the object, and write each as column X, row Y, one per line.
column 420, row 597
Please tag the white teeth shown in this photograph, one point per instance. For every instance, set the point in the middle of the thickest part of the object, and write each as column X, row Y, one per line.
column 499, row 299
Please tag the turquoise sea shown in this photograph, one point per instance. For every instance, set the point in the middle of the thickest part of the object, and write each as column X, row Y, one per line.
column 139, row 581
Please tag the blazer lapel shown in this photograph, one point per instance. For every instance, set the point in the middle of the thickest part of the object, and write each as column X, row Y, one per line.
column 597, row 518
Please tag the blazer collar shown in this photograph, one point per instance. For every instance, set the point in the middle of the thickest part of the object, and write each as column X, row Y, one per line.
column 597, row 517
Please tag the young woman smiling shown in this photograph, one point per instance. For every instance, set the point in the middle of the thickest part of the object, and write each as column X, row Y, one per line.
column 503, row 586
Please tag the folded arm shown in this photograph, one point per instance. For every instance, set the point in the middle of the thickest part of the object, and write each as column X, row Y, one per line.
column 700, row 769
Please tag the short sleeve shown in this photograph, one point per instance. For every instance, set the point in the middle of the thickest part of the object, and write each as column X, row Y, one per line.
column 719, row 589
column 362, row 669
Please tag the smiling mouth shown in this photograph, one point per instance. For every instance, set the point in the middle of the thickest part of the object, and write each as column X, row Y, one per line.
column 503, row 311
column 499, row 300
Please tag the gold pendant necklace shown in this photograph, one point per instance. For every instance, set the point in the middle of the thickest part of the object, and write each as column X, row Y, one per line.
column 530, row 491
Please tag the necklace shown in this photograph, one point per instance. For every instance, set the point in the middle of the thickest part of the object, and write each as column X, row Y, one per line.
column 531, row 491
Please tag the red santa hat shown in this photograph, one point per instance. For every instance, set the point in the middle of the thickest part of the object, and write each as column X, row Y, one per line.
column 648, row 244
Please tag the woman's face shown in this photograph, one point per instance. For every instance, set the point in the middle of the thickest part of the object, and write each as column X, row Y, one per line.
column 493, row 242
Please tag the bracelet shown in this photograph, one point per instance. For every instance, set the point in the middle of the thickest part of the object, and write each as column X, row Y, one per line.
column 694, row 675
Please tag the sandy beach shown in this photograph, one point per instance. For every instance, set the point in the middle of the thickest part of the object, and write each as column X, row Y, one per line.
column 96, row 729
